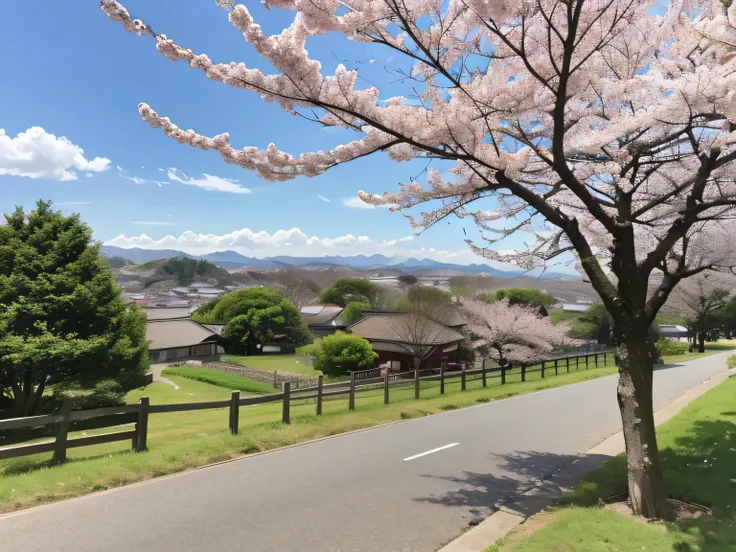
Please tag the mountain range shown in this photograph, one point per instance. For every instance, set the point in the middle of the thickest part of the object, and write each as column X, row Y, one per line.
column 233, row 259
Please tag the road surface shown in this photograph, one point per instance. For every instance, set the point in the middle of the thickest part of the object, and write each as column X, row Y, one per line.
column 407, row 487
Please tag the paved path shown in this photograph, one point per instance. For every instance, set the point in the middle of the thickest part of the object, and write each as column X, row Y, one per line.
column 156, row 371
column 355, row 493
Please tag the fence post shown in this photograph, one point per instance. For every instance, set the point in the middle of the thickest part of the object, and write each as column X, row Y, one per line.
column 542, row 369
column 62, row 431
column 503, row 375
column 596, row 360
column 577, row 363
column 286, row 415
column 586, row 361
column 567, row 363
column 442, row 378
column 351, row 394
column 463, row 377
column 604, row 359
column 320, row 382
column 275, row 381
column 483, row 368
column 142, row 425
column 556, row 372
column 416, row 384
column 234, row 412
column 385, row 387
column 523, row 372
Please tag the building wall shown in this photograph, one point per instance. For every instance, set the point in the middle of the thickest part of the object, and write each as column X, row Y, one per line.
column 404, row 362
column 204, row 350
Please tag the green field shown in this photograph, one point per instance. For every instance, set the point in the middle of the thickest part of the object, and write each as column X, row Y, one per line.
column 184, row 440
column 269, row 363
column 233, row 382
column 698, row 457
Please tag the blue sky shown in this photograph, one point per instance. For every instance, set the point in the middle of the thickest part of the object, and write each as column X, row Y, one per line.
column 75, row 73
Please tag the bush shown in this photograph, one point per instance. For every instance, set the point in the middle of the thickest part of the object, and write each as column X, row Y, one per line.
column 353, row 311
column 731, row 361
column 104, row 393
column 669, row 347
column 340, row 353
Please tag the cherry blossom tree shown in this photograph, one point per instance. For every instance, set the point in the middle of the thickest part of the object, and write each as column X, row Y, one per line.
column 697, row 299
column 513, row 333
column 596, row 128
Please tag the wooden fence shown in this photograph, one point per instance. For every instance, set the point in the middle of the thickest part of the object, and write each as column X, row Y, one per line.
column 67, row 420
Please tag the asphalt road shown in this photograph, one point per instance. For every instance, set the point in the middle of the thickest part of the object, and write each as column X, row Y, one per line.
column 353, row 493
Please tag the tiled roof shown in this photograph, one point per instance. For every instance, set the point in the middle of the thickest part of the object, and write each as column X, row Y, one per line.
column 170, row 334
column 404, row 327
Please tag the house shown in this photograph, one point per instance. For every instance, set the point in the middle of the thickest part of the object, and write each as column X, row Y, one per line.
column 180, row 339
column 398, row 337
column 674, row 332
column 323, row 319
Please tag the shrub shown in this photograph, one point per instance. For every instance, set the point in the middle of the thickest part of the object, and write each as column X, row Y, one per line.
column 353, row 311
column 669, row 347
column 731, row 361
column 340, row 353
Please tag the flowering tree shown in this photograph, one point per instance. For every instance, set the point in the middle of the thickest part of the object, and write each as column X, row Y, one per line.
column 697, row 299
column 513, row 333
column 594, row 126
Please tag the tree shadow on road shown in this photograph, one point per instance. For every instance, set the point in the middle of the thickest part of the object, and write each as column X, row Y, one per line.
column 522, row 482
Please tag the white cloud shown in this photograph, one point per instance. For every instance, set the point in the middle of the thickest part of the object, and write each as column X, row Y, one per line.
column 139, row 180
column 292, row 242
column 154, row 223
column 36, row 153
column 323, row 198
column 209, row 182
column 74, row 203
column 118, row 167
column 160, row 169
column 357, row 203
column 88, row 175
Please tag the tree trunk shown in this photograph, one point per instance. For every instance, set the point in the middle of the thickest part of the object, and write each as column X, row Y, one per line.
column 646, row 483
column 701, row 342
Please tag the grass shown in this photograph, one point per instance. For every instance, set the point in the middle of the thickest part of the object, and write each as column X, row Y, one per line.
column 698, row 450
column 184, row 440
column 710, row 349
column 221, row 379
column 269, row 363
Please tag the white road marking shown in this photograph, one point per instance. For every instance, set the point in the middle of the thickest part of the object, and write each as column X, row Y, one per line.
column 430, row 451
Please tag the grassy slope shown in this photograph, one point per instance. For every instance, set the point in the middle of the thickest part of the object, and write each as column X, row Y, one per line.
column 221, row 379
column 282, row 363
column 698, row 455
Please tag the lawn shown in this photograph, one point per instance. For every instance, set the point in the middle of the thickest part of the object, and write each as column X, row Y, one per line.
column 698, row 456
column 269, row 363
column 233, row 382
column 184, row 440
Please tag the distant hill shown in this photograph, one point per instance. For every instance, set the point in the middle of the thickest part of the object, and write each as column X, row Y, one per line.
column 185, row 271
column 232, row 259
column 117, row 262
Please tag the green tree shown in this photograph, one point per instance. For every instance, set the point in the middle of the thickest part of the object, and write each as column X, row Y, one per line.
column 340, row 353
column 353, row 311
column 346, row 290
column 256, row 316
column 427, row 296
column 63, row 319
column 526, row 296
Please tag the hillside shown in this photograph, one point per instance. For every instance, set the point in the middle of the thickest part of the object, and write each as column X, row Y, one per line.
column 184, row 272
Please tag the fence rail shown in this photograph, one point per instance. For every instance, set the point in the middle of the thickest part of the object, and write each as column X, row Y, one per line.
column 366, row 380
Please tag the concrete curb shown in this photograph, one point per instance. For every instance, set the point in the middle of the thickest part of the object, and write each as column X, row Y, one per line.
column 502, row 522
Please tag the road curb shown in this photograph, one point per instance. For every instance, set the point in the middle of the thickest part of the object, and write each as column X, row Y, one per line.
column 502, row 522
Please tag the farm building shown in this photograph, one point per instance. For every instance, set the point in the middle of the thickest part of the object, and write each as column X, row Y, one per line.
column 180, row 339
column 398, row 337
